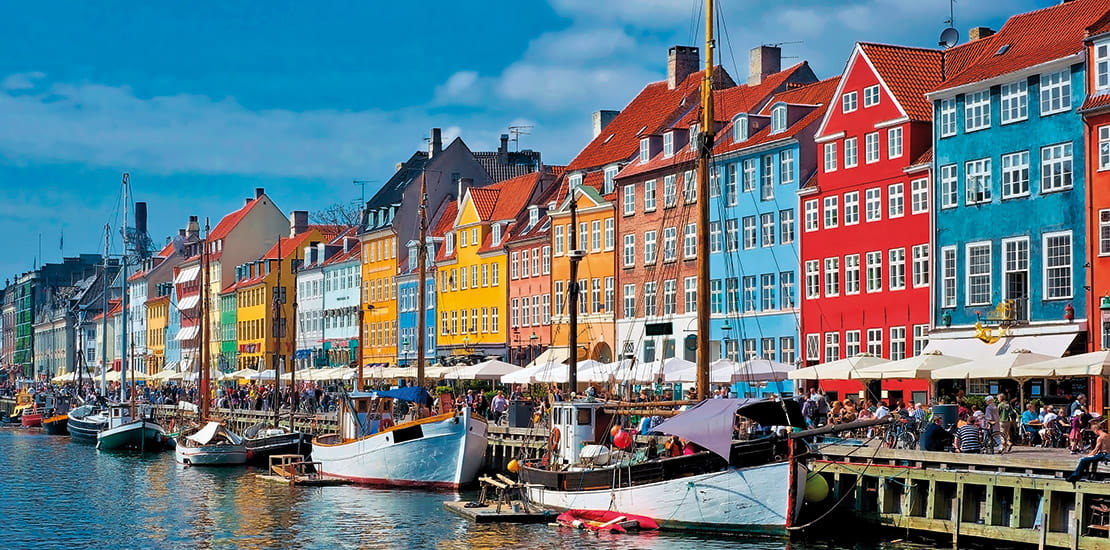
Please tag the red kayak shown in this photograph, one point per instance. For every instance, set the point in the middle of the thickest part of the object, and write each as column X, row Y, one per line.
column 605, row 520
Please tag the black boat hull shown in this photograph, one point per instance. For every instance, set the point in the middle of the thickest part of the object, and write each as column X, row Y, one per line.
column 59, row 426
column 84, row 430
column 260, row 449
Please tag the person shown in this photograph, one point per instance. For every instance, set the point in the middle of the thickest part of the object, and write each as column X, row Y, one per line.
column 1030, row 415
column 1079, row 421
column 557, row 395
column 836, row 413
column 990, row 414
column 673, row 446
column 1079, row 403
column 1100, row 452
column 809, row 412
column 1049, row 426
column 499, row 405
column 822, row 416
column 1007, row 417
column 882, row 411
column 935, row 437
column 967, row 437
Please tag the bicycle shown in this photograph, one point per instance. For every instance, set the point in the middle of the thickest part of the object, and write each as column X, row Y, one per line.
column 900, row 435
column 990, row 441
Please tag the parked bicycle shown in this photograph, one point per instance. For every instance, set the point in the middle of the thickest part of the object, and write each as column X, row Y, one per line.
column 901, row 435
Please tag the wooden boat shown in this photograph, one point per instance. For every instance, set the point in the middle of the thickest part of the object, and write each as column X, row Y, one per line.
column 85, row 422
column 605, row 520
column 263, row 440
column 210, row 445
column 56, row 421
column 24, row 403
column 124, row 431
column 56, row 425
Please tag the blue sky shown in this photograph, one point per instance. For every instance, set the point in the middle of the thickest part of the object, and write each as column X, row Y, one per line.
column 202, row 102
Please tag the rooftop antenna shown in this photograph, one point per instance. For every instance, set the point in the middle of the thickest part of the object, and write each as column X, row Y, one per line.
column 516, row 131
column 780, row 45
column 950, row 36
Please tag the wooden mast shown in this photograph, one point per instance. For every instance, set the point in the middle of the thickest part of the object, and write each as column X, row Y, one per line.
column 204, row 364
column 705, row 154
column 277, row 345
column 421, row 274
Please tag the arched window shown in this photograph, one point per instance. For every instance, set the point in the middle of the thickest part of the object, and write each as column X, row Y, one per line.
column 740, row 128
column 778, row 118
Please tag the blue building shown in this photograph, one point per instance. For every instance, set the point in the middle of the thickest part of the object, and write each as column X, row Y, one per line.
column 408, row 301
column 1009, row 188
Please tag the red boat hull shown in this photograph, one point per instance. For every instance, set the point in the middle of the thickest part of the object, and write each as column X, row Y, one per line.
column 31, row 420
column 604, row 520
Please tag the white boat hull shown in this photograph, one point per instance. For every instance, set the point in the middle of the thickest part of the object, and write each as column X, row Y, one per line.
column 448, row 454
column 210, row 455
column 748, row 500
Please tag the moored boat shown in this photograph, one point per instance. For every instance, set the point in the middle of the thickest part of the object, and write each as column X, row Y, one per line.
column 56, row 425
column 210, row 445
column 31, row 417
column 85, row 422
column 443, row 451
column 127, row 432
column 605, row 520
column 263, row 440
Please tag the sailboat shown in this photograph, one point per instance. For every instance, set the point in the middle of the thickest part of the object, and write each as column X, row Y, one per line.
column 212, row 443
column 374, row 447
column 752, row 486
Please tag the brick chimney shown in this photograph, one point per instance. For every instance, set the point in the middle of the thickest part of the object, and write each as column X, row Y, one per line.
column 602, row 119
column 259, row 191
column 298, row 222
column 503, row 150
column 979, row 32
column 763, row 62
column 435, row 145
column 682, row 61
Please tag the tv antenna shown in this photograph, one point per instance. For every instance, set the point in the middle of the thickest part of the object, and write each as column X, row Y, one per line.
column 950, row 36
column 516, row 131
column 781, row 44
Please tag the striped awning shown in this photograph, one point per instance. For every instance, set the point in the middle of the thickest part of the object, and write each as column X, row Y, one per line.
column 187, row 333
column 188, row 302
column 186, row 275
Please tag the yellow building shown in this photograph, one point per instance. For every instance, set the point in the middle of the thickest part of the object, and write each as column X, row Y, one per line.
column 472, row 265
column 157, row 322
column 379, row 295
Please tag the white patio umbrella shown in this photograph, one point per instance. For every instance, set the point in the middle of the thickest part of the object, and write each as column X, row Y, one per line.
column 1096, row 363
column 997, row 366
column 486, row 370
column 267, row 374
column 842, row 369
column 763, row 370
column 919, row 367
column 525, row 375
column 721, row 371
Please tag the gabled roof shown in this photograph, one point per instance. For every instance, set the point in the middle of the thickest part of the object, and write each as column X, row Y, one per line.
column 1101, row 26
column 230, row 221
column 392, row 191
column 744, row 98
column 511, row 165
column 1095, row 103
column 908, row 73
column 1031, row 39
column 292, row 244
column 652, row 109
column 503, row 200
column 520, row 230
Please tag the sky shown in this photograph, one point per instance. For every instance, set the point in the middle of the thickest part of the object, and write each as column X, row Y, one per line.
column 201, row 102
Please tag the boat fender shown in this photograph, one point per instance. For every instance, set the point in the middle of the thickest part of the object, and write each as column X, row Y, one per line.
column 386, row 423
column 553, row 440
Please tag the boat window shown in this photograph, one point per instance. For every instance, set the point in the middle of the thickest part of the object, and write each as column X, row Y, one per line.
column 401, row 435
column 584, row 417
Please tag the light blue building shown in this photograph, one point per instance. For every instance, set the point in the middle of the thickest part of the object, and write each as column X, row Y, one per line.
column 407, row 309
column 1009, row 190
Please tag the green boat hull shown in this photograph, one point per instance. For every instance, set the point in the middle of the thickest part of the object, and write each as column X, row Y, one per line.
column 141, row 435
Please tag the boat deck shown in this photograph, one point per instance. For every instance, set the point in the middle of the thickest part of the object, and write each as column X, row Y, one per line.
column 488, row 513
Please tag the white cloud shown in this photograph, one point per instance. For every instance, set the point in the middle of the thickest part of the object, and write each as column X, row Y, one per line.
column 580, row 44
column 21, row 81
column 650, row 13
column 461, row 88
column 552, row 87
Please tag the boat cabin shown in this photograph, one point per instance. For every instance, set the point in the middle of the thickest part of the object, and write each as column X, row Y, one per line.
column 579, row 423
column 119, row 415
column 371, row 415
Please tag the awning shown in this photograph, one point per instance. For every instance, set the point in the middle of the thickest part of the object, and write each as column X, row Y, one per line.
column 187, row 333
column 551, row 356
column 186, row 275
column 973, row 348
column 188, row 302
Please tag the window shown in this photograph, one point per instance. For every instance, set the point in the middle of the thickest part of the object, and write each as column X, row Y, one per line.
column 920, row 338
column 690, row 294
column 786, row 226
column 851, row 274
column 559, row 240
column 595, row 235
column 874, row 271
column 851, row 343
column 694, row 134
column 525, row 257
column 871, row 96
column 610, row 234
column 560, row 298
column 977, row 111
column 535, row 262
column 546, row 309
column 607, row 305
column 629, row 250
column 749, row 178
column 714, row 181
column 749, row 232
column 832, row 346
column 1056, row 167
column 875, row 341
column 670, row 191
column 494, row 320
column 978, row 274
column 731, row 195
column 714, row 237
column 786, row 350
column 832, row 212
column 595, row 295
column 649, row 299
column 813, row 278
column 813, row 218
column 848, row 102
column 485, row 275
column 670, row 244
column 896, row 202
column 813, row 347
column 920, row 265
column 1015, row 102
column 645, row 149
column 1056, row 92
column 629, row 301
column 977, row 174
column 1102, row 68
column 786, row 166
column 689, row 187
column 668, row 144
column 832, row 277
column 514, row 266
column 767, row 180
column 948, row 274
column 649, row 196
column 767, row 291
column 919, row 196
column 949, row 186
column 874, row 204
column 767, row 225
column 786, row 284
column 897, row 270
column 474, row 237
column 732, row 235
column 851, row 208
column 1057, row 265
column 1104, row 147
column 830, row 157
column 1104, row 232
column 690, row 241
column 732, row 295
column 871, row 147
column 749, row 293
column 894, row 143
column 778, row 119
column 610, row 179
column 629, row 200
column 947, row 117
column 650, row 252
column 1015, row 175
column 768, row 349
column 716, row 297
column 851, row 152
column 495, row 278
column 897, row 343
column 740, row 128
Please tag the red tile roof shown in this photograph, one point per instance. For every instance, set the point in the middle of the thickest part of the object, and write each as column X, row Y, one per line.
column 744, row 98
column 1096, row 102
column 445, row 225
column 166, row 251
column 1099, row 27
column 817, row 93
column 292, row 244
column 1032, row 38
column 228, row 223
column 909, row 73
column 654, row 107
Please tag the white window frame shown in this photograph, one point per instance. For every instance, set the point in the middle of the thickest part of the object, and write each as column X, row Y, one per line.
column 650, row 203
column 690, row 241
column 670, row 191
column 851, row 208
column 629, row 296
column 651, row 252
column 830, row 157
column 873, row 204
column 668, row 144
column 767, row 178
column 812, row 215
column 1104, row 232
column 1057, row 170
column 875, row 341
column 977, row 111
column 732, row 235
column 1104, row 147
column 689, row 187
column 1063, row 270
column 897, row 343
column 786, row 226
column 949, row 186
column 851, row 343
column 750, row 230
column 1101, row 67
column 948, row 126
column 767, row 228
column 629, row 201
column 896, row 270
column 978, row 293
column 610, row 176
column 948, row 276
column 851, row 152
column 813, row 279
column 629, row 250
column 977, row 180
column 851, row 274
column 919, row 196
column 1014, row 102
column 831, row 212
column 1015, row 175
column 1056, row 92
column 871, row 147
column 920, row 259
column 715, row 244
column 874, row 272
column 896, row 200
column 894, row 143
column 871, row 95
column 849, row 102
column 740, row 128
column 832, row 277
column 786, row 166
column 670, row 244
column 778, row 119
column 610, row 234
column 645, row 150
column 813, row 347
column 832, row 346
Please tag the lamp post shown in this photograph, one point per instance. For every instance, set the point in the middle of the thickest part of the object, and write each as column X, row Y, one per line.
column 532, row 343
column 517, row 352
column 727, row 330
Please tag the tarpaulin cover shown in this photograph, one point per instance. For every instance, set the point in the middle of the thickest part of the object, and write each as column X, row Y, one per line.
column 408, row 393
column 710, row 423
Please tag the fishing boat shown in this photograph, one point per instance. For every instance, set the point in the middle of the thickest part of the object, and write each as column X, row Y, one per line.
column 86, row 421
column 31, row 417
column 264, row 440
column 212, row 444
column 444, row 451
column 605, row 520
column 24, row 402
column 56, row 425
column 128, row 430
column 56, row 421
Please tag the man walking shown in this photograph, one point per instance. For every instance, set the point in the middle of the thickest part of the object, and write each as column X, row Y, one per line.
column 499, row 405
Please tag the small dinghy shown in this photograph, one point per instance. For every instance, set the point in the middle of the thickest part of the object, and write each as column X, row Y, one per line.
column 605, row 520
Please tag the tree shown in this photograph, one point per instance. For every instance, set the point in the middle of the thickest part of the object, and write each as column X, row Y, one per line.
column 339, row 213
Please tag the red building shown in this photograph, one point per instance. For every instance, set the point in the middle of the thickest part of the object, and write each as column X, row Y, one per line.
column 1096, row 119
column 529, row 250
column 865, row 262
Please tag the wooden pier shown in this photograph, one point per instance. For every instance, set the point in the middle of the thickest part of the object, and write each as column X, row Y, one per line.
column 1018, row 497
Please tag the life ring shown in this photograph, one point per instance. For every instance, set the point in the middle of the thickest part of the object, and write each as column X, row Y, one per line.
column 386, row 423
column 553, row 440
column 172, row 423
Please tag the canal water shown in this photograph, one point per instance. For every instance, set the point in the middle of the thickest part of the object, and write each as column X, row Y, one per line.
column 58, row 494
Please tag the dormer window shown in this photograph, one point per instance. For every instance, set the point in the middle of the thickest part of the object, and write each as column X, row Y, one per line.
column 575, row 181
column 533, row 216
column 778, row 118
column 497, row 229
column 740, row 128
column 1102, row 67
column 694, row 137
column 645, row 149
column 449, row 245
column 668, row 144
column 610, row 179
